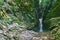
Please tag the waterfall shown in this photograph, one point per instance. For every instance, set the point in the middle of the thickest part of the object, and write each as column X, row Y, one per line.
column 40, row 25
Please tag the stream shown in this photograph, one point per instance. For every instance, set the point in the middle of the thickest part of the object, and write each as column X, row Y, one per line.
column 40, row 25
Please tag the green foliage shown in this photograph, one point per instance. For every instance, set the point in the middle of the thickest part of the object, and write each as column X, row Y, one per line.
column 27, row 11
column 21, row 12
column 54, row 11
column 55, row 27
column 1, row 2
column 52, row 21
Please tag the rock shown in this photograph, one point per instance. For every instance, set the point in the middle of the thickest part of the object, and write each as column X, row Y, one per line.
column 1, row 31
column 15, row 32
column 43, row 36
column 27, row 35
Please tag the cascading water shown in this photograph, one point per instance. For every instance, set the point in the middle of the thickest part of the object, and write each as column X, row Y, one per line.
column 40, row 25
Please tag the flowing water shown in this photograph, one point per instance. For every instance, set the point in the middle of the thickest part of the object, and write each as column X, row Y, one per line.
column 40, row 25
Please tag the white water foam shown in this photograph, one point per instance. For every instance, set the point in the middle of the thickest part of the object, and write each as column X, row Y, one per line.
column 40, row 25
